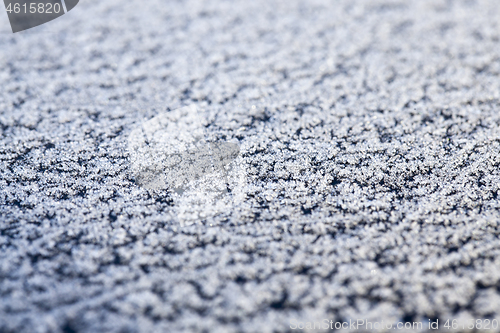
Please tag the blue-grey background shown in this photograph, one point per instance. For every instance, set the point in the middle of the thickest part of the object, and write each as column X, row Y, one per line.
column 369, row 137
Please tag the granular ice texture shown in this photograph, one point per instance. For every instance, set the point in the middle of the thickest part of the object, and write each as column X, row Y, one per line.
column 366, row 184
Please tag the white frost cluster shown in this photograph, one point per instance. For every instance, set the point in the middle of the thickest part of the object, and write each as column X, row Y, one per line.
column 170, row 152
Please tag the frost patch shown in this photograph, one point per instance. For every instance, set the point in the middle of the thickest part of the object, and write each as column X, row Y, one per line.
column 170, row 152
